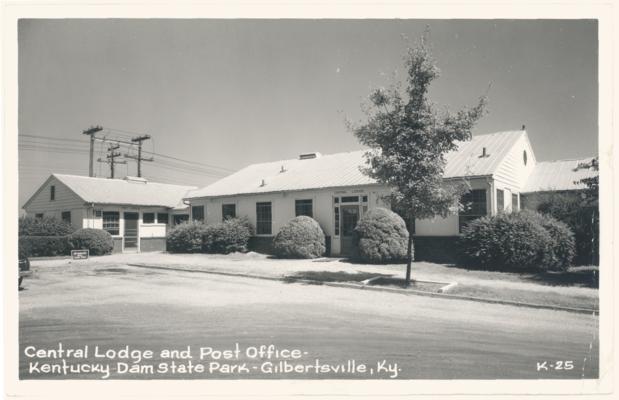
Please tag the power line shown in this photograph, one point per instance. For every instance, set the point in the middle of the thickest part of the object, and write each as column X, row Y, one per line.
column 228, row 170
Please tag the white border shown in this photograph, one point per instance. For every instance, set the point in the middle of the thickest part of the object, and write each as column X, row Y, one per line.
column 606, row 14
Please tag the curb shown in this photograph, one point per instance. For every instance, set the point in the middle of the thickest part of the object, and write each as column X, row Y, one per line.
column 406, row 292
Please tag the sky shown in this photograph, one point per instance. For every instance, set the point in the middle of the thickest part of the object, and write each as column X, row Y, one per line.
column 218, row 95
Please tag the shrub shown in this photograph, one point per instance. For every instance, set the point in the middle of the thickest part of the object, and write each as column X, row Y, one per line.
column 301, row 237
column 46, row 226
column 44, row 246
column 517, row 241
column 97, row 241
column 580, row 217
column 381, row 236
column 563, row 246
column 229, row 236
column 186, row 237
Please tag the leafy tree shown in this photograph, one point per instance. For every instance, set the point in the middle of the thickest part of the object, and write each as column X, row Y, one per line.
column 408, row 139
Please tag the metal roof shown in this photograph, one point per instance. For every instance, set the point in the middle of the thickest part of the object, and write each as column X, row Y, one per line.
column 342, row 169
column 558, row 175
column 127, row 191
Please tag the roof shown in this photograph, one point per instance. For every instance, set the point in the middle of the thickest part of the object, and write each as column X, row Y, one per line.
column 125, row 191
column 558, row 175
column 342, row 169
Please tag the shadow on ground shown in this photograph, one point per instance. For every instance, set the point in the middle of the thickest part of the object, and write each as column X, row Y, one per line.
column 318, row 277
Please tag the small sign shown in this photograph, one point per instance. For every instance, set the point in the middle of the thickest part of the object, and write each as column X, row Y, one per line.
column 79, row 254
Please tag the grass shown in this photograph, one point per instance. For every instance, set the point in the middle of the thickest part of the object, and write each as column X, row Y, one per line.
column 548, row 298
column 331, row 276
column 401, row 283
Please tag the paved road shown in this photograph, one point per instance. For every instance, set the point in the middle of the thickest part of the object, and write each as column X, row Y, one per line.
column 116, row 306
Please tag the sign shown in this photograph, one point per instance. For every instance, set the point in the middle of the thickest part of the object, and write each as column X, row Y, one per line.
column 79, row 254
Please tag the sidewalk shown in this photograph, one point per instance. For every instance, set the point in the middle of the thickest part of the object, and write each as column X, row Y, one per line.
column 493, row 286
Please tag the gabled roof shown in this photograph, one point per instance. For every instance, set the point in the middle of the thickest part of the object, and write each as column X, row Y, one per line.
column 558, row 175
column 342, row 169
column 124, row 191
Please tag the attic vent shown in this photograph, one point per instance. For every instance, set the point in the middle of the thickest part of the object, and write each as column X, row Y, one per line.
column 136, row 179
column 308, row 156
column 484, row 153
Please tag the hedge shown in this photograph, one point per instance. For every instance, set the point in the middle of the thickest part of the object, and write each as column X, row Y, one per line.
column 97, row 241
column 301, row 237
column 44, row 246
column 227, row 237
column 582, row 219
column 46, row 226
column 381, row 236
column 517, row 241
column 186, row 237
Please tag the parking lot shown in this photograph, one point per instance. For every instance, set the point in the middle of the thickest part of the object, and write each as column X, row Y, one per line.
column 115, row 305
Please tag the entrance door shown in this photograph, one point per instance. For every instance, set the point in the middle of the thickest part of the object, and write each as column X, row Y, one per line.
column 350, row 216
column 131, row 231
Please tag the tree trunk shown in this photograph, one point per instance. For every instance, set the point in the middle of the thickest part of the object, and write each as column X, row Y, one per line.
column 409, row 252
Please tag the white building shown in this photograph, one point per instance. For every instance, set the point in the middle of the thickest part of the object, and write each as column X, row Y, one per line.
column 333, row 190
column 136, row 212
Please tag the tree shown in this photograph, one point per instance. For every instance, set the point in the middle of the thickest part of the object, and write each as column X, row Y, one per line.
column 591, row 201
column 408, row 139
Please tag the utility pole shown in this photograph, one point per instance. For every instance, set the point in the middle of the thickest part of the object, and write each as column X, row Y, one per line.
column 110, row 158
column 139, row 157
column 91, row 132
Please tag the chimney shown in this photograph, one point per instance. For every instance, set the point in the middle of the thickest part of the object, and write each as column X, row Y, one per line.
column 308, row 156
column 524, row 127
column 263, row 183
column 484, row 154
column 282, row 170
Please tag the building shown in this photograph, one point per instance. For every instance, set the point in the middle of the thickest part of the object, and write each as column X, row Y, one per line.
column 136, row 212
column 552, row 177
column 332, row 189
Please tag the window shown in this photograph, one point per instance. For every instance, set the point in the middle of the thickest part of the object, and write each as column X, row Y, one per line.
column 336, row 200
column 303, row 207
column 500, row 200
column 263, row 218
column 180, row 218
column 350, row 199
column 337, row 221
column 52, row 193
column 228, row 211
column 197, row 213
column 98, row 213
column 162, row 218
column 66, row 216
column 365, row 199
column 514, row 202
column 111, row 222
column 473, row 206
column 38, row 215
column 148, row 218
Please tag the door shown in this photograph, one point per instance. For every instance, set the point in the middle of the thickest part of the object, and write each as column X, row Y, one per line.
column 350, row 216
column 131, row 231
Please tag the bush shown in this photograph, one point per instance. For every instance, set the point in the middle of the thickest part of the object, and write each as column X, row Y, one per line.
column 229, row 236
column 186, row 237
column 301, row 237
column 580, row 217
column 97, row 241
column 44, row 246
column 46, row 226
column 517, row 241
column 381, row 236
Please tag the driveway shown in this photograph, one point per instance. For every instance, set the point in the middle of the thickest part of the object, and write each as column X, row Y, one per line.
column 112, row 306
